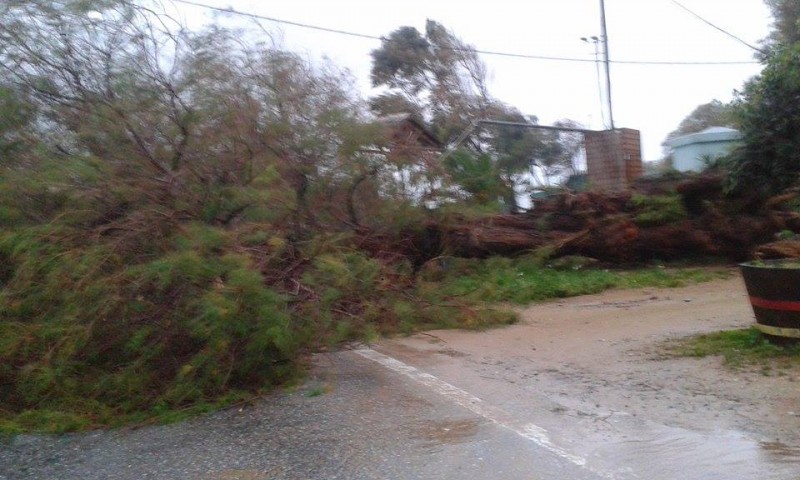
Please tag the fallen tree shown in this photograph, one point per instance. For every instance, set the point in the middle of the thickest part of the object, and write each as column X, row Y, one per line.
column 690, row 217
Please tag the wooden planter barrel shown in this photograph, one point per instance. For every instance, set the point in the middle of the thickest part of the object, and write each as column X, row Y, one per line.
column 774, row 289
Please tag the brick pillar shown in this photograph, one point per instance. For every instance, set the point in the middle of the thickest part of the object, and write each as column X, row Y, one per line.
column 613, row 158
column 631, row 153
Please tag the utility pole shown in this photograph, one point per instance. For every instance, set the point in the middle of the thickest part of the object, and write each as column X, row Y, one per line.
column 604, row 36
column 596, row 42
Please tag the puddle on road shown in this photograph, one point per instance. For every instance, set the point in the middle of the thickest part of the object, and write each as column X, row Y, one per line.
column 448, row 431
column 660, row 452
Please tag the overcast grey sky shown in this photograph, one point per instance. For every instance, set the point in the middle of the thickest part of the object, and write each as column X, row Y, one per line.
column 650, row 98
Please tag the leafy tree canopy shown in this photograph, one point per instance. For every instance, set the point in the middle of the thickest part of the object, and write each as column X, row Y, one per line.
column 785, row 28
column 441, row 80
column 434, row 75
column 712, row 114
column 768, row 112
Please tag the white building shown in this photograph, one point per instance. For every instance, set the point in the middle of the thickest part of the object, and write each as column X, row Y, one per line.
column 690, row 153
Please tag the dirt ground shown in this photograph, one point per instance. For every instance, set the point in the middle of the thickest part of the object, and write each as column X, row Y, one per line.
column 596, row 366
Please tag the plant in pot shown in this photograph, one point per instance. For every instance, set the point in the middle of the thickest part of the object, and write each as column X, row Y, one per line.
column 774, row 290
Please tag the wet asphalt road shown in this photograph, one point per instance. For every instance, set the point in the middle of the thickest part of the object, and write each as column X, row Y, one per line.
column 370, row 423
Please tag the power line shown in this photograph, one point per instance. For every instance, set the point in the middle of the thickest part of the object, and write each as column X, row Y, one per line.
column 667, row 62
column 624, row 62
column 231, row 11
column 277, row 20
column 738, row 39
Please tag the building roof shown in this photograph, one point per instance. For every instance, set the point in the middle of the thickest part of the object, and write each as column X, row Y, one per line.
column 398, row 119
column 711, row 134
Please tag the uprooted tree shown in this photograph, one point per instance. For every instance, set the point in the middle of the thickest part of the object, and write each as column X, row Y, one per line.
column 173, row 214
column 183, row 214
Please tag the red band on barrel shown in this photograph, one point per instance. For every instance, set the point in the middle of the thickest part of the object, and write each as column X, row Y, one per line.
column 782, row 305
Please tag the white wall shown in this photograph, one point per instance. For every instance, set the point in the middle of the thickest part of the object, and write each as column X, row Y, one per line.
column 690, row 158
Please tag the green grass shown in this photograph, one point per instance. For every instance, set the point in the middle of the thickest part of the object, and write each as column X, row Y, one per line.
column 658, row 209
column 527, row 279
column 317, row 389
column 740, row 348
column 67, row 419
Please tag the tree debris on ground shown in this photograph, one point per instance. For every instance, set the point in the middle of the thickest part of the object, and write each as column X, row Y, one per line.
column 664, row 220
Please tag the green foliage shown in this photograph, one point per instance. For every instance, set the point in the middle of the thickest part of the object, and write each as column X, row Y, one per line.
column 42, row 420
column 100, row 340
column 786, row 14
column 570, row 262
column 528, row 279
column 348, row 273
column 173, row 229
column 478, row 175
column 15, row 117
column 362, row 298
column 654, row 210
column 437, row 77
column 401, row 61
column 668, row 277
column 768, row 110
column 739, row 348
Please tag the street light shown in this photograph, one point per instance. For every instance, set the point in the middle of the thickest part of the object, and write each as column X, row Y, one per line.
column 594, row 39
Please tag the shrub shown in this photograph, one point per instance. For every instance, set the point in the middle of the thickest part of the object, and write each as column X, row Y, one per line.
column 658, row 209
column 84, row 332
column 768, row 112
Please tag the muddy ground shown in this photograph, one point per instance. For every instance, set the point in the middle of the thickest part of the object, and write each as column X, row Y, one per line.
column 594, row 369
